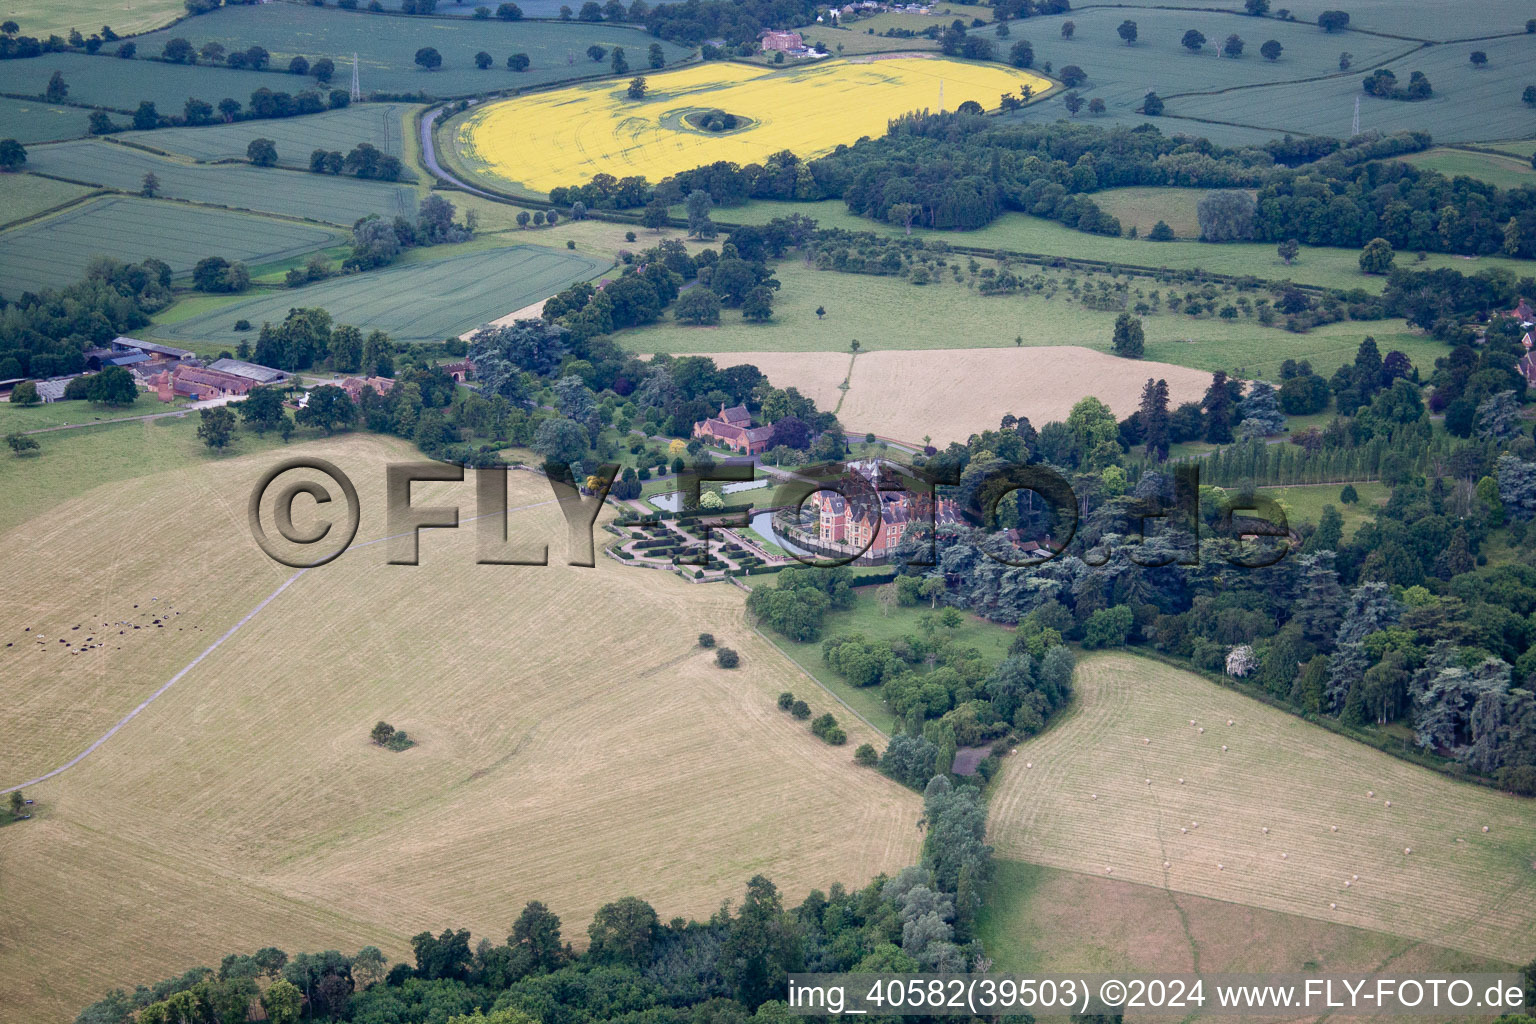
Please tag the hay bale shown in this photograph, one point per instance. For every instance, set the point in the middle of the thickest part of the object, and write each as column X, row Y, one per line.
column 1166, row 864
column 1485, row 828
column 1229, row 721
column 1370, row 792
column 1407, row 850
column 1333, row 906
column 1285, row 856
column 1184, row 831
column 1202, row 729
column 1334, row 827
column 1389, row 803
column 1355, row 877
column 1146, row 739
column 1029, row 764
column 1149, row 782
column 1347, row 884
column 1266, row 830
column 1221, row 867
column 1191, row 721
column 1223, row 746
column 1181, row 782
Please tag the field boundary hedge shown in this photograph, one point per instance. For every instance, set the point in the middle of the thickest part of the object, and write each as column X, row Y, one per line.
column 18, row 222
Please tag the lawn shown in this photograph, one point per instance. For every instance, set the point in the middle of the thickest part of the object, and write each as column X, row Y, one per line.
column 442, row 297
column 1039, row 920
column 1019, row 232
column 317, row 197
column 26, row 195
column 565, row 136
column 56, row 250
column 382, row 125
column 1087, row 806
column 1304, row 504
column 245, row 808
column 29, row 121
column 885, row 313
column 1503, row 171
column 386, row 46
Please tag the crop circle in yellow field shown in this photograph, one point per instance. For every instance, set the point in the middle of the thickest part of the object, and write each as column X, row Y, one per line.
column 565, row 136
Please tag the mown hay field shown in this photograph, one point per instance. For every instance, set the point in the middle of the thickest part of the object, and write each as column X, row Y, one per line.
column 318, row 197
column 889, row 313
column 951, row 393
column 42, row 19
column 1459, row 887
column 381, row 125
column 29, row 121
column 56, row 250
column 246, row 806
column 424, row 301
column 1040, row 920
column 386, row 46
column 565, row 136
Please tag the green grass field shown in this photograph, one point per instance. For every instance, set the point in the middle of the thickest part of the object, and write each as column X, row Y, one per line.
column 950, row 315
column 27, row 195
column 29, row 121
column 426, row 301
column 387, row 44
column 1121, row 75
column 57, row 414
column 1142, row 208
column 1505, row 172
column 1438, row 22
column 1519, row 148
column 1327, row 107
column 318, row 197
column 105, row 81
column 236, row 826
column 1040, row 920
column 1019, row 232
column 41, row 19
column 1086, row 806
column 56, row 250
column 383, row 125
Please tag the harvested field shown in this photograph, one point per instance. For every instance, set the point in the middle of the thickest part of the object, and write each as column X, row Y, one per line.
column 423, row 301
column 950, row 394
column 56, row 250
column 1460, row 887
column 318, row 197
column 251, row 801
column 1046, row 920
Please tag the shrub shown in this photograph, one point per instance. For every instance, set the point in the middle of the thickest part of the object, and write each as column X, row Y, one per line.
column 800, row 709
column 786, row 701
column 725, row 657
column 382, row 733
column 866, row 756
column 1349, row 495
column 706, row 640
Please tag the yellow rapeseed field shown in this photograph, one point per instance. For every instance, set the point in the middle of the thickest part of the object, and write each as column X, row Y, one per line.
column 566, row 136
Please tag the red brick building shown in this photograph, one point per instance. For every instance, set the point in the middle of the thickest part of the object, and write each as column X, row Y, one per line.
column 197, row 383
column 733, row 429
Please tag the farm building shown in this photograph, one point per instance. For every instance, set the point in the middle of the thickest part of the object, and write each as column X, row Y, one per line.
column 354, row 386
column 122, row 346
column 252, row 371
column 733, row 428
column 53, row 390
column 197, row 383
column 1527, row 366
